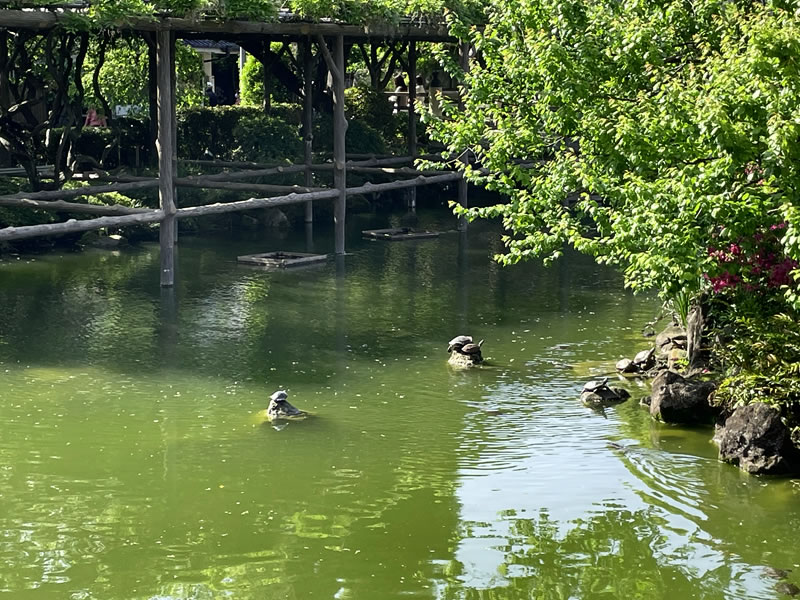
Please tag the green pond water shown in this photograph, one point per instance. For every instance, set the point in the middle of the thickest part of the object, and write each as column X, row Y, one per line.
column 135, row 462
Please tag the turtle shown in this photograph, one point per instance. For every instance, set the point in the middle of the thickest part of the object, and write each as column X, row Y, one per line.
column 776, row 573
column 471, row 352
column 787, row 589
column 279, row 407
column 644, row 360
column 626, row 365
column 458, row 342
column 471, row 348
column 598, row 393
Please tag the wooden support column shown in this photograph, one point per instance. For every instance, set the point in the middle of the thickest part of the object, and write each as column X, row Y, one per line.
column 412, row 115
column 174, row 89
column 412, row 98
column 463, row 200
column 308, row 121
column 336, row 66
column 166, row 167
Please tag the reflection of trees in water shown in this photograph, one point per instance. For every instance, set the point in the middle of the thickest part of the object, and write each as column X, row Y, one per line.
column 615, row 554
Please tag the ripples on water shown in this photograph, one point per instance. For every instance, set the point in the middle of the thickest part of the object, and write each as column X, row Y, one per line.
column 135, row 463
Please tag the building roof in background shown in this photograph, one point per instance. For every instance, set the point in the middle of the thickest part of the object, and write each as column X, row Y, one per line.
column 213, row 46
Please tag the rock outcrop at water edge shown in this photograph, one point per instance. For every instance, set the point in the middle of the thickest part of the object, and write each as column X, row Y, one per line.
column 675, row 399
column 755, row 438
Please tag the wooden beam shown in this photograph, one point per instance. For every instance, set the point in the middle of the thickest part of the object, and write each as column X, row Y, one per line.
column 72, row 226
column 165, row 47
column 254, row 187
column 73, row 207
column 463, row 198
column 231, row 164
column 412, row 98
column 412, row 115
column 339, row 150
column 42, row 20
column 83, row 191
column 253, row 203
column 308, row 122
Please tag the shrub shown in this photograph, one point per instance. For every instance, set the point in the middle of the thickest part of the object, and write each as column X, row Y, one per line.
column 265, row 138
column 371, row 106
column 252, row 90
column 360, row 138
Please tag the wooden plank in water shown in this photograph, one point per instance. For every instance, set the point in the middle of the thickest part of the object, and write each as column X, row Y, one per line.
column 282, row 260
column 398, row 234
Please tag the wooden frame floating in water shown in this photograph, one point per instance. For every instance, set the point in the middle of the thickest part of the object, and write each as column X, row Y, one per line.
column 282, row 260
column 398, row 234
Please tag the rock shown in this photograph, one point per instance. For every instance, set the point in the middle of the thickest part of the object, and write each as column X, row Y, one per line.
column 274, row 217
column 106, row 242
column 755, row 438
column 788, row 589
column 462, row 361
column 599, row 399
column 626, row 366
column 675, row 399
column 673, row 336
column 676, row 359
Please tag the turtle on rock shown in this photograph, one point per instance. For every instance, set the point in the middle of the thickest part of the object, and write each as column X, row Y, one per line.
column 458, row 342
column 598, row 394
column 279, row 408
column 464, row 352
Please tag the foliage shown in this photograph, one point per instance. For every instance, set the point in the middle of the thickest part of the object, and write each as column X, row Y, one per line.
column 265, row 138
column 762, row 356
column 236, row 133
column 252, row 92
column 372, row 107
column 109, row 13
column 360, row 138
column 124, row 78
column 649, row 129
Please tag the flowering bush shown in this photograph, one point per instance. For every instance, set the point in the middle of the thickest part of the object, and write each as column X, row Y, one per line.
column 755, row 265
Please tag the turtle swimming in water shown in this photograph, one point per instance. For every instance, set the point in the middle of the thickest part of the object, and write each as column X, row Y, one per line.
column 279, row 408
column 598, row 393
column 464, row 352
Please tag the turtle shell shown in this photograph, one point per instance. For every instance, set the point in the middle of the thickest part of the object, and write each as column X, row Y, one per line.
column 595, row 384
column 458, row 342
column 471, row 349
column 644, row 357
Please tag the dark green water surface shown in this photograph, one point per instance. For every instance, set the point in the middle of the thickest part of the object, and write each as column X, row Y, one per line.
column 135, row 463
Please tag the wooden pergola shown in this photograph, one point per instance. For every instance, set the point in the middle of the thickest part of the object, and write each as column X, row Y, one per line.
column 305, row 34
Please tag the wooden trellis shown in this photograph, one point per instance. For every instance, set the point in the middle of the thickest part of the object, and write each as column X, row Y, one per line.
column 166, row 31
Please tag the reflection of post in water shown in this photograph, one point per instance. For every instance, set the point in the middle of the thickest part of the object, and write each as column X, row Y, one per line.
column 463, row 280
column 309, row 237
column 563, row 285
column 168, row 327
column 168, row 357
column 341, row 309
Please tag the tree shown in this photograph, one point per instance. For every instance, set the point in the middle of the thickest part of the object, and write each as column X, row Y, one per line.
column 647, row 134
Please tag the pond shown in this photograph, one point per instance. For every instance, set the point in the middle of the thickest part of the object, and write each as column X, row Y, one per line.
column 135, row 462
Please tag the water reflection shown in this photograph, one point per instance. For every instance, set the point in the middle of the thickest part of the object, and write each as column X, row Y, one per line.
column 133, row 463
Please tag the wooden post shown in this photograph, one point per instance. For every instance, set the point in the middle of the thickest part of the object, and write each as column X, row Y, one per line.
column 308, row 121
column 174, row 85
column 412, row 98
column 339, row 150
column 152, row 96
column 463, row 200
column 165, row 144
column 412, row 115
